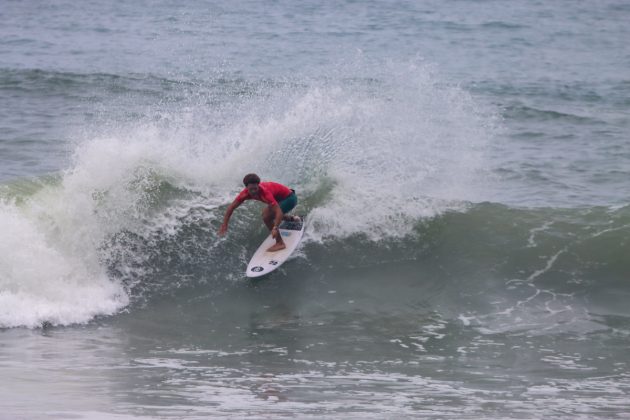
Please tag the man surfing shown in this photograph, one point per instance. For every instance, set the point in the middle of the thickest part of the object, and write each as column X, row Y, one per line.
column 280, row 200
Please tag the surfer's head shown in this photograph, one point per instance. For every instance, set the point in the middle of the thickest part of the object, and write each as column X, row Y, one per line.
column 251, row 182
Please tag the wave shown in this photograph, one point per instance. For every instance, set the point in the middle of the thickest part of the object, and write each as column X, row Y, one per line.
column 559, row 91
column 503, row 25
column 495, row 268
column 44, row 280
column 141, row 89
column 49, row 82
column 523, row 112
column 67, row 261
column 387, row 167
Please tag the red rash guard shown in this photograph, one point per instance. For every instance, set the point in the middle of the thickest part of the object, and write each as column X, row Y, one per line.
column 268, row 192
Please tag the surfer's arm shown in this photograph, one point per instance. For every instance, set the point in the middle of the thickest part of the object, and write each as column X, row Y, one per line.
column 228, row 213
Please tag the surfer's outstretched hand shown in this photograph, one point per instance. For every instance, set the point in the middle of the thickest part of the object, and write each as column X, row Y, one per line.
column 223, row 230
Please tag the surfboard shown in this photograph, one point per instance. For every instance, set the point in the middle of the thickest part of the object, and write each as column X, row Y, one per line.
column 264, row 262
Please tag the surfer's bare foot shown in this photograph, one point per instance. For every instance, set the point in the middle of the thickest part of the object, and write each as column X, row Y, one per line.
column 290, row 218
column 277, row 247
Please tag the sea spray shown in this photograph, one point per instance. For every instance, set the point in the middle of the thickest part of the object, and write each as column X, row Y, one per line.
column 138, row 207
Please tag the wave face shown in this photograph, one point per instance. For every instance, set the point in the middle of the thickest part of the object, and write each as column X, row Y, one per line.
column 363, row 164
column 396, row 169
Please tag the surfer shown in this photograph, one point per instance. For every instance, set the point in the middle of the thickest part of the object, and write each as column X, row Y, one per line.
column 280, row 200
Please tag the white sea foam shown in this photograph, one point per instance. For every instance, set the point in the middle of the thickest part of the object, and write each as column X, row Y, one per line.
column 41, row 280
column 52, row 261
column 386, row 150
column 411, row 152
column 377, row 153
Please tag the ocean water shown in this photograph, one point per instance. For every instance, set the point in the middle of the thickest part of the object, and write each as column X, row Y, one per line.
column 465, row 169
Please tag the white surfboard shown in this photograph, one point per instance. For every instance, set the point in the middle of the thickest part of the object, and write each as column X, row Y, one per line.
column 264, row 262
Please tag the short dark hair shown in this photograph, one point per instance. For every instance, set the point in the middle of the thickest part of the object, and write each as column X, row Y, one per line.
column 251, row 179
